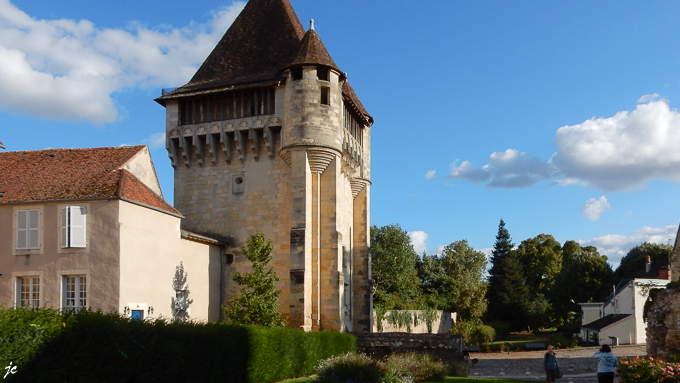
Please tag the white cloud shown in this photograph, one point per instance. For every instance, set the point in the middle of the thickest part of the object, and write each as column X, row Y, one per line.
column 648, row 98
column 439, row 250
column 430, row 174
column 419, row 241
column 67, row 70
column 615, row 246
column 156, row 140
column 594, row 207
column 615, row 153
column 508, row 169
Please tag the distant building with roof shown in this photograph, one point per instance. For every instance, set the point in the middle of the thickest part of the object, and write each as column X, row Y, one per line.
column 269, row 135
column 90, row 228
column 620, row 318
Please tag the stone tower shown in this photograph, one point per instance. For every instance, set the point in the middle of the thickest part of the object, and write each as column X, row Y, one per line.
column 268, row 135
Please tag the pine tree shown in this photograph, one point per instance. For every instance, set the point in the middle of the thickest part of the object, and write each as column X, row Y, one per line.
column 259, row 300
column 495, row 292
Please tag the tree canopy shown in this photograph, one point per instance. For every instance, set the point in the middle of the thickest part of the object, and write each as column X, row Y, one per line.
column 585, row 277
column 634, row 261
column 465, row 267
column 393, row 268
column 259, row 300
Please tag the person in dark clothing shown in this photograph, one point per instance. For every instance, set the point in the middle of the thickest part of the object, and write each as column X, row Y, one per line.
column 550, row 365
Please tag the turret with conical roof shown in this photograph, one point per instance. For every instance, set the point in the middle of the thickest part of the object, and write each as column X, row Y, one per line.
column 268, row 135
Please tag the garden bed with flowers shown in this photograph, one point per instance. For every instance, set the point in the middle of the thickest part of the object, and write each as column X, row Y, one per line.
column 648, row 370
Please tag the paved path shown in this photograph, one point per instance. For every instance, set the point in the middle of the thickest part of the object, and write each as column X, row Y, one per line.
column 577, row 364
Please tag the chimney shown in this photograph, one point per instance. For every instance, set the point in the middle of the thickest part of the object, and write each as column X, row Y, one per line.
column 648, row 265
column 665, row 273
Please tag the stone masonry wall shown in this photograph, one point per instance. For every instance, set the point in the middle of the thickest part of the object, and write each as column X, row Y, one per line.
column 444, row 322
column 447, row 347
column 663, row 324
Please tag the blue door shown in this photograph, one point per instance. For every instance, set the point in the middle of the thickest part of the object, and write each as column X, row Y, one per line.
column 137, row 314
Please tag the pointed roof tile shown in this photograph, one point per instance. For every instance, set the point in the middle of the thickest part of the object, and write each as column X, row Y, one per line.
column 263, row 39
column 313, row 52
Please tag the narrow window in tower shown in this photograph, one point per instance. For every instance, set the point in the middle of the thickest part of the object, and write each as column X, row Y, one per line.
column 323, row 73
column 296, row 73
column 325, row 95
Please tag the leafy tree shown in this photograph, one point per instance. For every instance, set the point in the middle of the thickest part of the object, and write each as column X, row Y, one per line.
column 393, row 268
column 434, row 283
column 541, row 261
column 465, row 268
column 634, row 261
column 259, row 300
column 585, row 277
column 496, row 295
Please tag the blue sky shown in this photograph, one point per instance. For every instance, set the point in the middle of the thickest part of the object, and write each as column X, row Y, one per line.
column 558, row 117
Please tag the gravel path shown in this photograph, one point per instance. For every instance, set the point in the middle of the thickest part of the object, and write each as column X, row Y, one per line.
column 577, row 364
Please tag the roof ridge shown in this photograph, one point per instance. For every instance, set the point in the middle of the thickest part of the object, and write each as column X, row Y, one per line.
column 75, row 149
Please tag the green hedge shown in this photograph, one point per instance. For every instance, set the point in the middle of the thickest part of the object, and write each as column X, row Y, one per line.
column 96, row 347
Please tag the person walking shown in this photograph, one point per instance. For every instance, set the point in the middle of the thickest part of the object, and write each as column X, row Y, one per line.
column 607, row 364
column 550, row 365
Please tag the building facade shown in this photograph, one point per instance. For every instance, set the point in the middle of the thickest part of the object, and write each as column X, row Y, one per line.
column 88, row 228
column 268, row 135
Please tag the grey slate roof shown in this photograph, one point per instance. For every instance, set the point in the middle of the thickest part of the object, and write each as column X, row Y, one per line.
column 605, row 321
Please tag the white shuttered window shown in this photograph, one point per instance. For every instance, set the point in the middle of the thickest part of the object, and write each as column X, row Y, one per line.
column 28, row 229
column 73, row 224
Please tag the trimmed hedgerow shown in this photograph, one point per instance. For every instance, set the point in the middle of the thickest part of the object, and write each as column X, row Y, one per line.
column 24, row 332
column 97, row 347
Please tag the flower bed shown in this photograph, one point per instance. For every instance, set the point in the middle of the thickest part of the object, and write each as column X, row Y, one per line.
column 648, row 370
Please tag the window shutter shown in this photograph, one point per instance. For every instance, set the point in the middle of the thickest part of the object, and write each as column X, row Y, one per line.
column 34, row 229
column 77, row 222
column 22, row 229
column 64, row 227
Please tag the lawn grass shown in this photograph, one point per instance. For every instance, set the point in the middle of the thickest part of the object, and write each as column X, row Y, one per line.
column 448, row 379
column 451, row 379
column 300, row 380
column 520, row 339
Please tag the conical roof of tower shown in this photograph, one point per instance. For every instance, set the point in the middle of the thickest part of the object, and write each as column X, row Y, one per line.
column 264, row 39
column 313, row 52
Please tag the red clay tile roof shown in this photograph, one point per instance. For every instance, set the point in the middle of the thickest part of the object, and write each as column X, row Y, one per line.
column 73, row 174
column 130, row 187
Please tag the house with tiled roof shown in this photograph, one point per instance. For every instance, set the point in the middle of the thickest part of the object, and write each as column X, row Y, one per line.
column 620, row 318
column 90, row 228
column 269, row 135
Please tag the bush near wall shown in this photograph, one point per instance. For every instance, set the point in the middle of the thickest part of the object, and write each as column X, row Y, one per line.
column 97, row 347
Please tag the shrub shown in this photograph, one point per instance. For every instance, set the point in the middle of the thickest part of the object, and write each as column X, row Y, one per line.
column 477, row 334
column 415, row 367
column 561, row 341
column 351, row 367
column 399, row 368
column 501, row 328
column 92, row 346
column 23, row 332
column 648, row 370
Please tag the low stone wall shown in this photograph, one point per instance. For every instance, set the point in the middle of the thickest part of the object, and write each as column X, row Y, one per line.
column 447, row 347
column 444, row 322
column 663, row 319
